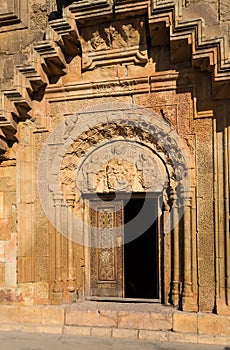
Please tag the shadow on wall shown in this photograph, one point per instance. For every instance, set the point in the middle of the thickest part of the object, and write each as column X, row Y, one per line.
column 58, row 14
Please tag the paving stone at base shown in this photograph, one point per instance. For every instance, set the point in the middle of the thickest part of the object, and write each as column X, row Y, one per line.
column 217, row 340
column 38, row 329
column 125, row 333
column 53, row 315
column 153, row 335
column 75, row 330
column 20, row 314
column 182, row 337
column 31, row 328
column 107, row 322
column 214, row 324
column 101, row 332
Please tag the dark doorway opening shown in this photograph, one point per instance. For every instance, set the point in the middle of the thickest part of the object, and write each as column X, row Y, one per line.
column 141, row 262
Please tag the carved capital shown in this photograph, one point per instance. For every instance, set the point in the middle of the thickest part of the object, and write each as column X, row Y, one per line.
column 70, row 199
column 58, row 199
column 173, row 196
column 186, row 199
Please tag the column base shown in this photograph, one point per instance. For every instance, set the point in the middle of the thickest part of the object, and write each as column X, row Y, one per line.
column 58, row 287
column 175, row 293
column 189, row 303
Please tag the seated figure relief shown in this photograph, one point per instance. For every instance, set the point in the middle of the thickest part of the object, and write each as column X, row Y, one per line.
column 112, row 38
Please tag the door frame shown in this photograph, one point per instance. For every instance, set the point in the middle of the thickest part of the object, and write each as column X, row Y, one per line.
column 87, row 198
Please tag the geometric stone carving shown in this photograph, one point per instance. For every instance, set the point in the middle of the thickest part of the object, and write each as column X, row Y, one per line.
column 13, row 13
column 88, row 9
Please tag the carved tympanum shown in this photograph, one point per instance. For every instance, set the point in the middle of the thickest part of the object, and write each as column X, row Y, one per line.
column 121, row 166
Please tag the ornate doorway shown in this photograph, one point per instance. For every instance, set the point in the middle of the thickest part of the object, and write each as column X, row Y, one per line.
column 124, row 156
column 124, row 251
column 141, row 255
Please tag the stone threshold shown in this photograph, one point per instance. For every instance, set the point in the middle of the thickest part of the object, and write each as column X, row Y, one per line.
column 118, row 320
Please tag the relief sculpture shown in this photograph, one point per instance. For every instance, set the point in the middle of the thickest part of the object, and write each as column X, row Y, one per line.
column 112, row 38
column 96, row 42
column 115, row 39
column 115, row 168
column 132, row 36
column 107, row 42
column 119, row 175
column 145, row 168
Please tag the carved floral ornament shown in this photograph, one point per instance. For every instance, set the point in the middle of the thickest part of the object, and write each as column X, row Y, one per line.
column 111, row 148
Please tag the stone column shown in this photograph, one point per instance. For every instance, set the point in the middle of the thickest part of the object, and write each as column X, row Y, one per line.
column 71, row 281
column 187, row 293
column 58, row 283
column 166, row 244
column 175, row 283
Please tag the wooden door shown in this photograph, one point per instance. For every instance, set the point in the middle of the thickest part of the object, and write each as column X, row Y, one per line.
column 106, row 252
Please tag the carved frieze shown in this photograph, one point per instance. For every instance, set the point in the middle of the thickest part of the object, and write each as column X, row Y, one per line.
column 112, row 43
column 112, row 87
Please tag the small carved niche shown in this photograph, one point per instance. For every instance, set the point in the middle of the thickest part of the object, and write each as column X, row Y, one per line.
column 115, row 42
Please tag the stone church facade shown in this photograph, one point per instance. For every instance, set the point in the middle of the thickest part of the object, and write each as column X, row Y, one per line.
column 114, row 146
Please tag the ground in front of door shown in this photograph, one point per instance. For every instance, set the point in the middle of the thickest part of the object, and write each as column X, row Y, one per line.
column 33, row 341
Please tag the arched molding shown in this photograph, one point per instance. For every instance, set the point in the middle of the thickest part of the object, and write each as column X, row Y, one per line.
column 74, row 140
column 99, row 140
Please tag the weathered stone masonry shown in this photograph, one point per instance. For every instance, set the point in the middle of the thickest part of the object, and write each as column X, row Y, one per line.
column 101, row 70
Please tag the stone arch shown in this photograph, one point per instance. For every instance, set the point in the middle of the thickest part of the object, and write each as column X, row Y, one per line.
column 78, row 139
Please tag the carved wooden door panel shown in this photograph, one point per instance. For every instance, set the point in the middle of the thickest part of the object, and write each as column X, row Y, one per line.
column 106, row 252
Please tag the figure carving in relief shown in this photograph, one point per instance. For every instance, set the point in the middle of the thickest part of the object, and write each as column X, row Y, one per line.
column 120, row 174
column 97, row 42
column 145, row 170
column 69, row 126
column 118, row 149
column 69, row 167
column 90, row 173
column 132, row 36
column 117, row 174
column 114, row 38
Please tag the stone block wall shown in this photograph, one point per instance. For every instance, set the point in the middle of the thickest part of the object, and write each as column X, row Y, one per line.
column 166, row 77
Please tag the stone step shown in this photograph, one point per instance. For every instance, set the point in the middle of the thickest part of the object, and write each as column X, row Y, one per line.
column 152, row 322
